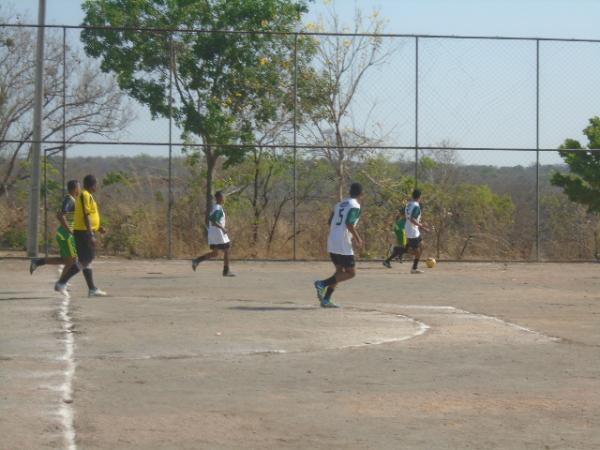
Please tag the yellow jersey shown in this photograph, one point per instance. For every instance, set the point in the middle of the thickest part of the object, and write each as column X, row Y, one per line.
column 86, row 202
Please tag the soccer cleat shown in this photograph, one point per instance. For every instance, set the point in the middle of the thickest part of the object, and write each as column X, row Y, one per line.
column 96, row 293
column 320, row 290
column 61, row 289
column 326, row 303
column 387, row 264
column 195, row 263
column 33, row 265
column 416, row 271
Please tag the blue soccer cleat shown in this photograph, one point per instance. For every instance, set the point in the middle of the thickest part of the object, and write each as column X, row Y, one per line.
column 320, row 287
column 326, row 303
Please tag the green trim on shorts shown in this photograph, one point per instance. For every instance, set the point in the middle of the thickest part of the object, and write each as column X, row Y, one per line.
column 66, row 243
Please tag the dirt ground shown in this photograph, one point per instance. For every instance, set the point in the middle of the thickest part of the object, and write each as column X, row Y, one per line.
column 465, row 356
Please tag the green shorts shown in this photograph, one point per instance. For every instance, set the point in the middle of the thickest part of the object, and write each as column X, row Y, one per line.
column 401, row 241
column 66, row 243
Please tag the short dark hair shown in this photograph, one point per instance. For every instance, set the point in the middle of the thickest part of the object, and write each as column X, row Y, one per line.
column 416, row 194
column 218, row 194
column 355, row 190
column 89, row 181
column 72, row 185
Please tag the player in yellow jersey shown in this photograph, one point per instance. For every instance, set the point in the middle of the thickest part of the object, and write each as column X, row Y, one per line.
column 85, row 227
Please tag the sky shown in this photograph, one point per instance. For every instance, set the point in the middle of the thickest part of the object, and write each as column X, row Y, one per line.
column 471, row 93
column 536, row 18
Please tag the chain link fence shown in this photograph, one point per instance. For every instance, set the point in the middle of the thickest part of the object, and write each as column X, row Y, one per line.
column 475, row 122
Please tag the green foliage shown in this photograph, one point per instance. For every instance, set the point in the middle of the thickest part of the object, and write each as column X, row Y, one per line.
column 118, row 177
column 15, row 238
column 462, row 210
column 582, row 185
column 568, row 229
column 222, row 80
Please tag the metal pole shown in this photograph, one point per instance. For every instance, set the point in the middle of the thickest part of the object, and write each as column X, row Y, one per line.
column 64, row 115
column 34, row 199
column 170, row 194
column 537, row 152
column 295, row 174
column 416, row 111
column 46, row 203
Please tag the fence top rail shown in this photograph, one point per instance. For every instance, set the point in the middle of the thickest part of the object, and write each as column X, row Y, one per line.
column 292, row 146
column 304, row 33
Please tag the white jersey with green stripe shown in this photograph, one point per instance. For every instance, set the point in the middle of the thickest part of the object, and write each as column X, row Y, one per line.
column 215, row 234
column 413, row 211
column 340, row 239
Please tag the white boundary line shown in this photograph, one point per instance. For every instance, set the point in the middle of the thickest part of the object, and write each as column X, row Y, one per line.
column 484, row 317
column 422, row 328
column 66, row 389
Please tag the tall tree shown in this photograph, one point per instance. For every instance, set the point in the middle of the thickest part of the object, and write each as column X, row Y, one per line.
column 342, row 63
column 582, row 184
column 94, row 104
column 221, row 79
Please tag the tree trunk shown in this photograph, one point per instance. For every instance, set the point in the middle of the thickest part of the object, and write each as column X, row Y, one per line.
column 340, row 186
column 341, row 155
column 255, row 206
column 211, row 162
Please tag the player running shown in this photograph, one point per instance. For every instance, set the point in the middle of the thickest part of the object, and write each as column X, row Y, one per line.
column 217, row 236
column 64, row 233
column 342, row 230
column 413, row 229
column 401, row 241
column 86, row 224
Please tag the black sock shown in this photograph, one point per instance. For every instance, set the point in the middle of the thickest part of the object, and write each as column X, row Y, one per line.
column 396, row 253
column 199, row 259
column 329, row 292
column 89, row 278
column 329, row 281
column 415, row 263
column 73, row 270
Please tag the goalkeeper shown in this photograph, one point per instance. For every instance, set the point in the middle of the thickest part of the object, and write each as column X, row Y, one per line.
column 401, row 241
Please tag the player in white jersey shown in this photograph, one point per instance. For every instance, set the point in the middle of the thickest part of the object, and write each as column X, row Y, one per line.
column 217, row 236
column 342, row 230
column 413, row 229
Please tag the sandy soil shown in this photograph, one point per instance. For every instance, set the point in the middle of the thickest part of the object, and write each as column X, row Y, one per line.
column 466, row 356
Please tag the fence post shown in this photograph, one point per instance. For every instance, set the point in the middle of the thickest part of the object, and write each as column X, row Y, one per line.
column 295, row 174
column 537, row 152
column 34, row 199
column 46, row 203
column 416, row 111
column 170, row 181
column 64, row 114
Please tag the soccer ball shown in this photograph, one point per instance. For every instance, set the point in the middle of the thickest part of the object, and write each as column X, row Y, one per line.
column 431, row 262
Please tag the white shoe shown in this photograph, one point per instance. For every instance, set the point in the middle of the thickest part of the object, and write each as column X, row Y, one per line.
column 416, row 271
column 61, row 289
column 96, row 293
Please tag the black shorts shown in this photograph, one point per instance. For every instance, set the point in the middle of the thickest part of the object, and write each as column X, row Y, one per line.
column 86, row 250
column 414, row 243
column 220, row 246
column 345, row 261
